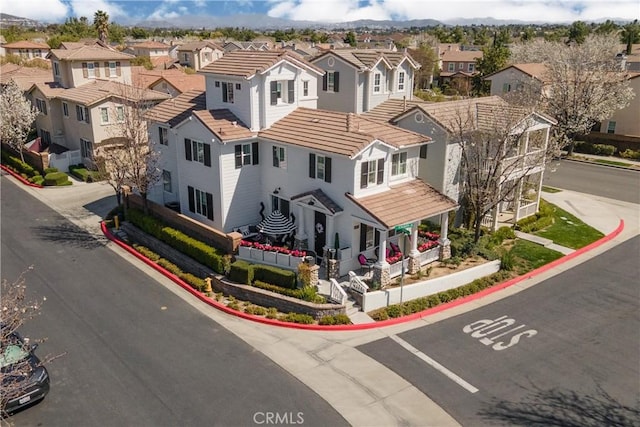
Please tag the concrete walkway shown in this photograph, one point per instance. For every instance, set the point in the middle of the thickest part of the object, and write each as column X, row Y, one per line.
column 365, row 392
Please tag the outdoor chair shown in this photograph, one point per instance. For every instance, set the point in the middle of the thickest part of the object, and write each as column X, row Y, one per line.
column 365, row 262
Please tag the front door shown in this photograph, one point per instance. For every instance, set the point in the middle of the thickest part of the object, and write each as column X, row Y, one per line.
column 320, row 237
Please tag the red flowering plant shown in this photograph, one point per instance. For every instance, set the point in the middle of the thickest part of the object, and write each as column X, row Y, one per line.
column 427, row 245
column 428, row 235
column 270, row 248
column 395, row 257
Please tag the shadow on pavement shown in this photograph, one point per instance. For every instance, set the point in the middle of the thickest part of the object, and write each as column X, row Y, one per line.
column 70, row 234
column 562, row 407
column 102, row 207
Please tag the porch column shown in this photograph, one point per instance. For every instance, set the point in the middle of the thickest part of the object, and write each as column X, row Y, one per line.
column 443, row 241
column 414, row 254
column 518, row 195
column 539, row 189
column 330, row 233
column 301, row 240
column 381, row 267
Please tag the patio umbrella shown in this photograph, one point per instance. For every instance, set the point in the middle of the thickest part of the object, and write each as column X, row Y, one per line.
column 276, row 224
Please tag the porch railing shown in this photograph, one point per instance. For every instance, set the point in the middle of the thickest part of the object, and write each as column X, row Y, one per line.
column 429, row 255
column 336, row 293
column 395, row 269
column 527, row 208
column 357, row 285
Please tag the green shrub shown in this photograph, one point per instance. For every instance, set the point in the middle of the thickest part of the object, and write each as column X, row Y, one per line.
column 148, row 253
column 255, row 310
column 304, row 319
column 38, row 180
column 51, row 170
column 168, row 265
column 56, row 178
column 308, row 293
column 504, row 233
column 275, row 275
column 18, row 165
column 338, row 319
column 598, row 149
column 507, row 261
column 272, row 313
column 195, row 282
column 241, row 272
column 630, row 154
column 199, row 251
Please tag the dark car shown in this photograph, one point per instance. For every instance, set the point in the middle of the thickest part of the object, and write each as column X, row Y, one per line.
column 24, row 379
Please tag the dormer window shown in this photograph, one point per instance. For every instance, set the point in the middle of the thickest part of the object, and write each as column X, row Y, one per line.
column 401, row 81
column 371, row 173
column 331, row 81
column 56, row 68
column 376, row 82
column 282, row 92
column 399, row 164
column 91, row 71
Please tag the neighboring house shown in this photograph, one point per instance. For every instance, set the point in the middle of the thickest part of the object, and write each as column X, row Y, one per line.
column 457, row 68
column 199, row 54
column 83, row 102
column 254, row 142
column 157, row 52
column 24, row 77
column 174, row 82
column 440, row 162
column 630, row 62
column 85, row 42
column 518, row 76
column 624, row 121
column 356, row 81
column 26, row 49
column 236, row 45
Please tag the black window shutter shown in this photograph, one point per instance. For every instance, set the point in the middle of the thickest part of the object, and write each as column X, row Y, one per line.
column 224, row 92
column 276, row 160
column 78, row 113
column 364, row 169
column 207, row 155
column 210, row 206
column 274, row 93
column 327, row 169
column 87, row 115
column 255, row 153
column 423, row 151
column 312, row 165
column 291, row 91
column 363, row 237
column 192, row 199
column 376, row 238
column 238, row 149
column 160, row 135
column 380, row 171
column 324, row 82
column 187, row 148
column 336, row 81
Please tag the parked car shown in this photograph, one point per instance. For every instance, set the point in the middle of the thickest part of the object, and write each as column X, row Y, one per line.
column 23, row 378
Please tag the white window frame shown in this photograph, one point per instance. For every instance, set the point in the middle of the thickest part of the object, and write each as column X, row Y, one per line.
column 471, row 67
column 41, row 106
column 377, row 77
column 91, row 71
column 166, row 181
column 230, row 97
column 372, row 173
column 320, row 167
column 247, row 155
column 197, row 151
column 119, row 114
column 452, row 67
column 103, row 111
column 611, row 126
column 331, row 81
column 305, row 88
column 201, row 202
column 399, row 164
column 56, row 68
column 370, row 236
column 164, row 136
column 401, row 77
column 113, row 69
column 65, row 110
column 279, row 157
column 86, row 148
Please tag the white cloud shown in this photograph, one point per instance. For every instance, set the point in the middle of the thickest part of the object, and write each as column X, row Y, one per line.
column 525, row 10
column 88, row 8
column 45, row 11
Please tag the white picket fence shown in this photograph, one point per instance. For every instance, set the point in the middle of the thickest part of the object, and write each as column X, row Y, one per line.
column 62, row 161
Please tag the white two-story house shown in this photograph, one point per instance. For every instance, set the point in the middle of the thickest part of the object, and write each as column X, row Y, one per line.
column 357, row 80
column 254, row 142
column 84, row 102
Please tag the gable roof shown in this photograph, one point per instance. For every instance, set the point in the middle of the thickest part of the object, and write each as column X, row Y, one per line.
column 24, row 77
column 243, row 63
column 536, row 70
column 322, row 198
column 99, row 90
column 339, row 133
column 87, row 53
column 151, row 45
column 181, row 81
column 404, row 203
column 176, row 110
column 366, row 59
column 199, row 45
column 224, row 124
column 85, row 42
column 390, row 108
column 461, row 55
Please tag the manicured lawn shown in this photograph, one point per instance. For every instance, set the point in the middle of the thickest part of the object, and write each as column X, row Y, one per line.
column 614, row 163
column 569, row 231
column 532, row 255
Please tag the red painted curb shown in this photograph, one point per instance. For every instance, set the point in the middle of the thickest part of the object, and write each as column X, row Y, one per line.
column 20, row 178
column 390, row 322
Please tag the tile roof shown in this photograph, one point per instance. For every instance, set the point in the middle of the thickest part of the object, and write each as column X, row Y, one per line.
column 49, row 89
column 461, row 55
column 367, row 58
column 339, row 133
column 183, row 82
column 178, row 109
column 25, row 77
column 534, row 69
column 406, row 202
column 98, row 90
column 151, row 45
column 190, row 47
column 224, row 124
column 26, row 44
column 88, row 53
column 321, row 196
column 244, row 63
column 159, row 62
column 390, row 108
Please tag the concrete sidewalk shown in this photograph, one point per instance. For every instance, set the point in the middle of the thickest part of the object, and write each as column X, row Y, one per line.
column 365, row 392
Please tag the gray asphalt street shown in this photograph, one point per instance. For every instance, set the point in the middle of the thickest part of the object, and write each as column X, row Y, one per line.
column 614, row 183
column 136, row 354
column 564, row 352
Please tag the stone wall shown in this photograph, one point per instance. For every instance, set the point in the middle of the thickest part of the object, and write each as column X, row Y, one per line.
column 268, row 299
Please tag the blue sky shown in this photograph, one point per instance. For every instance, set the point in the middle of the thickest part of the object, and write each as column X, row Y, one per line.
column 130, row 11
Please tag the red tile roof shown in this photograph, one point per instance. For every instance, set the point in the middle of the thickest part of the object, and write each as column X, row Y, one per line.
column 245, row 63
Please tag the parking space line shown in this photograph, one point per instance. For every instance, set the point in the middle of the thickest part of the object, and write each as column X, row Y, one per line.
column 420, row 355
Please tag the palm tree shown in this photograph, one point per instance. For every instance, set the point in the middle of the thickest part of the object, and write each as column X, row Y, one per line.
column 101, row 23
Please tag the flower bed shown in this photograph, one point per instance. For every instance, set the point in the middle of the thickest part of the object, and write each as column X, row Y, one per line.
column 270, row 248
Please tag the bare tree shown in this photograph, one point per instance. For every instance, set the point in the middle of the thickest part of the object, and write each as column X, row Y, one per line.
column 583, row 84
column 130, row 157
column 17, row 115
column 501, row 146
